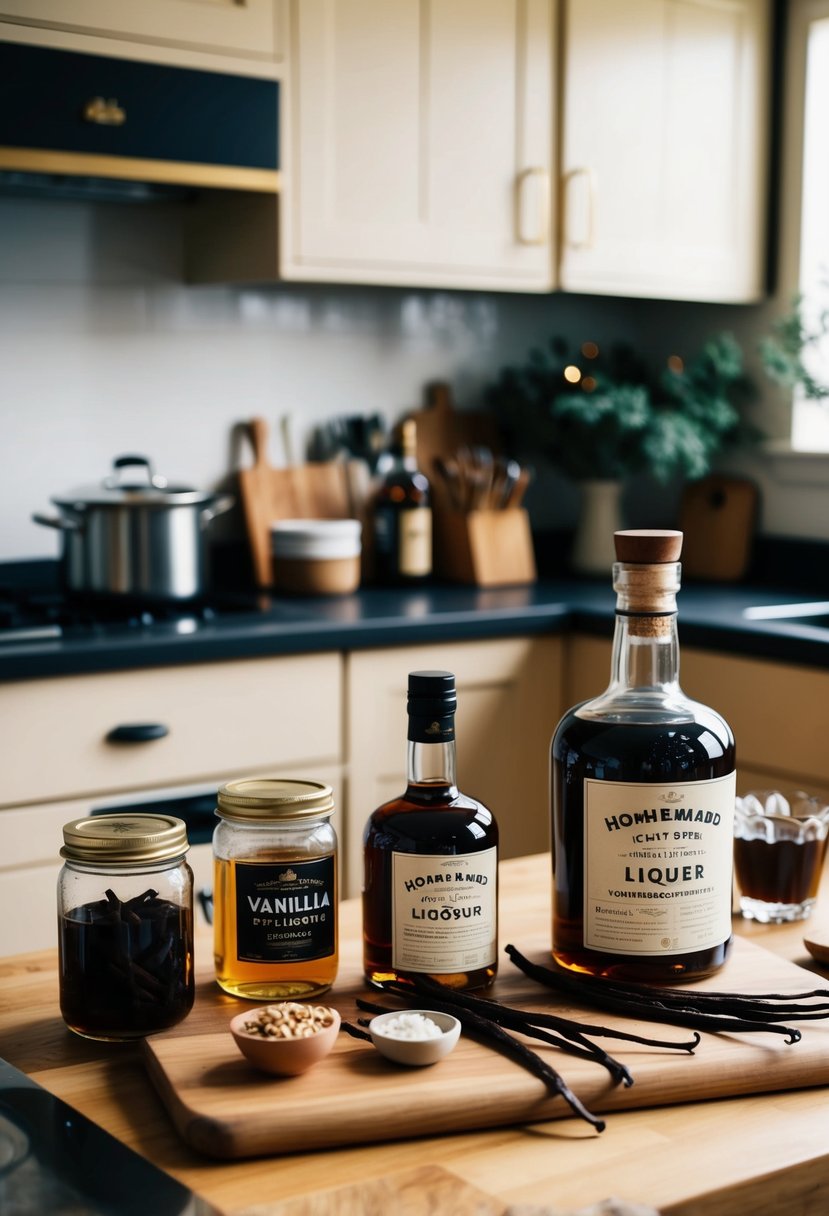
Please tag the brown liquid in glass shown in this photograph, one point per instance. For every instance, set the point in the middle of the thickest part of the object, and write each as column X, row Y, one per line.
column 689, row 751
column 780, row 871
column 426, row 820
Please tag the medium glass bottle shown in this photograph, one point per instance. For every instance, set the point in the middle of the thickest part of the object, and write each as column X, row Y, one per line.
column 643, row 788
column 275, row 889
column 402, row 515
column 430, row 893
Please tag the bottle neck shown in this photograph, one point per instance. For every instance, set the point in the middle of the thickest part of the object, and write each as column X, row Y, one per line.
column 431, row 766
column 644, row 674
column 645, row 653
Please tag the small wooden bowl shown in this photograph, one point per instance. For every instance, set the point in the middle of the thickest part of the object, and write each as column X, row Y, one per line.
column 818, row 948
column 285, row 1057
column 415, row 1052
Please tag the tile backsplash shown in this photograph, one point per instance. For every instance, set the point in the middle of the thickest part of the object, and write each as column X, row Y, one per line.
column 104, row 350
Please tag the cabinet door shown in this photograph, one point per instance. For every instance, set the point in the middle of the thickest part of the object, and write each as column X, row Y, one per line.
column 231, row 27
column 421, row 143
column 509, row 700
column 664, row 148
column 237, row 717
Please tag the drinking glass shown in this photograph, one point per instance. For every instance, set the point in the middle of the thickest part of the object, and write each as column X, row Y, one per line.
column 779, row 849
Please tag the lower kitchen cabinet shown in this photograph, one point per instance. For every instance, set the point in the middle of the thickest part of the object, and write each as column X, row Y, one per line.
column 280, row 717
column 509, row 701
column 776, row 710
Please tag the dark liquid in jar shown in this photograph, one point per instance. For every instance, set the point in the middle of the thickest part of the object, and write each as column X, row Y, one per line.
column 780, row 871
column 685, row 752
column 126, row 969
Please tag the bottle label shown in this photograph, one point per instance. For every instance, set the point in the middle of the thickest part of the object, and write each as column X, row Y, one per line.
column 285, row 913
column 657, row 865
column 415, row 541
column 444, row 911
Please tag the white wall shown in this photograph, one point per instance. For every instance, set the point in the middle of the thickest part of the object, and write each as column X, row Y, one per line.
column 104, row 351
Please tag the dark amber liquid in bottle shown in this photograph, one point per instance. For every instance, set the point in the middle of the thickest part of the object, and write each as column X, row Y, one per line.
column 427, row 819
column 696, row 750
column 403, row 519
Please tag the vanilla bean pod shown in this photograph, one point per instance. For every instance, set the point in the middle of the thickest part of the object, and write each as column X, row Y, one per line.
column 510, row 1046
column 567, row 1038
column 565, row 1026
column 355, row 1031
column 770, row 1006
column 645, row 1002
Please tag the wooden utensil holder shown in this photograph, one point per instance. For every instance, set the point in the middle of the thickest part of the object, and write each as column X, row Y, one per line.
column 485, row 548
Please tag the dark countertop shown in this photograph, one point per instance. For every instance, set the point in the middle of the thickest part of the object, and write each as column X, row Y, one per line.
column 710, row 616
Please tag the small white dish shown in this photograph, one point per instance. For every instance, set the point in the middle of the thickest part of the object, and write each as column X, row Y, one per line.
column 415, row 1052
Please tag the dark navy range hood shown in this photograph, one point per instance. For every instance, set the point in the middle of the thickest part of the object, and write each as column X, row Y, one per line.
column 77, row 124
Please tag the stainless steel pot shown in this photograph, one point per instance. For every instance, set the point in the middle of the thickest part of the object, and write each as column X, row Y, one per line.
column 134, row 535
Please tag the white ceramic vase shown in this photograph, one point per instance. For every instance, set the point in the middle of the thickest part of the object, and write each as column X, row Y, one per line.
column 600, row 516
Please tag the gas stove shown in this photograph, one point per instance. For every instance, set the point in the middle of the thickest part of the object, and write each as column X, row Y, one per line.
column 31, row 613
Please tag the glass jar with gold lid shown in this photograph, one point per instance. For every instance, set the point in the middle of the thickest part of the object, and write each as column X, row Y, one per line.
column 125, row 925
column 275, row 888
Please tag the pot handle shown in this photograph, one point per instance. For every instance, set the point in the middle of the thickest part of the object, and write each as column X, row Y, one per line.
column 223, row 503
column 114, row 482
column 56, row 521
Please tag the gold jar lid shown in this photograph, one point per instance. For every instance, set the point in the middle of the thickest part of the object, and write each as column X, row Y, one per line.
column 264, row 799
column 125, row 839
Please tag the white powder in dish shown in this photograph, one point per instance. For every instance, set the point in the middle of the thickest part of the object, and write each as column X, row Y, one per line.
column 411, row 1026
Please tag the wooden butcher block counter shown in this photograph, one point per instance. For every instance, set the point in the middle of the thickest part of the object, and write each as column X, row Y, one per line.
column 680, row 1146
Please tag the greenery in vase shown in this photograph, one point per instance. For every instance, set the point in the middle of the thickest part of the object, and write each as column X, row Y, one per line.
column 604, row 417
column 786, row 351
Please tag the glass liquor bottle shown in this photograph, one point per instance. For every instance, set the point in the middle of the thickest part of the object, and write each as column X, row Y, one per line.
column 643, row 787
column 430, row 892
column 403, row 517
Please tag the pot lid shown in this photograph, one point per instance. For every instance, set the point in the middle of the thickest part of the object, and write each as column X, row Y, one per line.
column 132, row 482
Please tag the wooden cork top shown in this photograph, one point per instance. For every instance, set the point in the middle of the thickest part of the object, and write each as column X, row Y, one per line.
column 648, row 546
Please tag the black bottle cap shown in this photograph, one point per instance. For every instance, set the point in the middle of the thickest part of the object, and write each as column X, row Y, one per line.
column 432, row 704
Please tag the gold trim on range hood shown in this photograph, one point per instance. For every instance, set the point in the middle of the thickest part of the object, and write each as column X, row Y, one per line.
column 129, row 168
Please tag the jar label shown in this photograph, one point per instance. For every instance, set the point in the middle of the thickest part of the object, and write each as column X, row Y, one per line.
column 444, row 911
column 285, row 912
column 657, row 865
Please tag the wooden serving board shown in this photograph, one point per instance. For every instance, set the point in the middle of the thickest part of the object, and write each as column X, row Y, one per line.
column 224, row 1108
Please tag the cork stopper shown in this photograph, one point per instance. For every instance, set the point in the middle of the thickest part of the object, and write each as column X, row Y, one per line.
column 648, row 546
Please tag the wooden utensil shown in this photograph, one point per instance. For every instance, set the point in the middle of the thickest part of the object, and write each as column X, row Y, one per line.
column 307, row 491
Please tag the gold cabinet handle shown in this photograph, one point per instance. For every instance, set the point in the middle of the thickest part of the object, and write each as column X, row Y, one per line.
column 542, row 234
column 106, row 113
column 590, row 225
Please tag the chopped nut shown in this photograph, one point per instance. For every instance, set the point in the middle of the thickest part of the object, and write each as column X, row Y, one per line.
column 289, row 1020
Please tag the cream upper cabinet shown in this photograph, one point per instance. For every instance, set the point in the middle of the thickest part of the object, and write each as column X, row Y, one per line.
column 419, row 146
column 249, row 29
column 665, row 128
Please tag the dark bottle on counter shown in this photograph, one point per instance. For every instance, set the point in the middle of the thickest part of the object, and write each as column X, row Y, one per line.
column 430, row 892
column 403, row 517
column 643, row 787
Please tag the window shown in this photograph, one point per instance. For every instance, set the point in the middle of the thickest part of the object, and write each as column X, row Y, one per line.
column 809, row 94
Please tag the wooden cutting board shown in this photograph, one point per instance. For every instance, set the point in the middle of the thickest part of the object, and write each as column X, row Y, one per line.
column 305, row 491
column 718, row 516
column 224, row 1108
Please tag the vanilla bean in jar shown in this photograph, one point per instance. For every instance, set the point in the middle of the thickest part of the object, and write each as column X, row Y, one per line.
column 125, row 925
column 275, row 889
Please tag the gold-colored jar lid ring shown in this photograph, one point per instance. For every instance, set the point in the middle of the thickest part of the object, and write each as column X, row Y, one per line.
column 124, row 839
column 262, row 799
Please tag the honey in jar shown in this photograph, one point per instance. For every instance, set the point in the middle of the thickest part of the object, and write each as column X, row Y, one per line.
column 275, row 889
